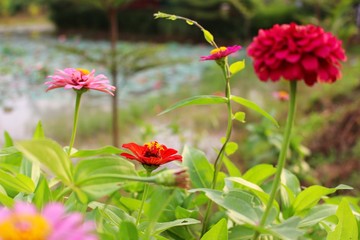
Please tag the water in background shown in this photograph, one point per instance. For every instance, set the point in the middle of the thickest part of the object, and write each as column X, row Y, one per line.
column 27, row 61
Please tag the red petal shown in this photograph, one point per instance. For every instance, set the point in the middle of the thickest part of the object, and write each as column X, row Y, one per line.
column 310, row 63
column 135, row 148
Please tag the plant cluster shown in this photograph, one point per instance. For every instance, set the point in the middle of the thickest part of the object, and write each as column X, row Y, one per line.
column 54, row 192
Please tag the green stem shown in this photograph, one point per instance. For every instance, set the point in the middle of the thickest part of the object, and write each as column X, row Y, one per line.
column 219, row 159
column 76, row 117
column 146, row 190
column 282, row 156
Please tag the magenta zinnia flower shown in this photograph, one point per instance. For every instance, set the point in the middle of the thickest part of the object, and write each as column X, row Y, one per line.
column 151, row 154
column 24, row 222
column 79, row 79
column 220, row 52
column 297, row 52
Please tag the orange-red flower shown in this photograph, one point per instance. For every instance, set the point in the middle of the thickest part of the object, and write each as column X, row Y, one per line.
column 297, row 52
column 151, row 154
column 220, row 52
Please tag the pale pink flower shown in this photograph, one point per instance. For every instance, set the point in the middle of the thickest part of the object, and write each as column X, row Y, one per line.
column 23, row 222
column 79, row 79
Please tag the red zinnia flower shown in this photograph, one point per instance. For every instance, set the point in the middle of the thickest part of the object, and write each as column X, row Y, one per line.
column 79, row 79
column 297, row 52
column 151, row 154
column 220, row 52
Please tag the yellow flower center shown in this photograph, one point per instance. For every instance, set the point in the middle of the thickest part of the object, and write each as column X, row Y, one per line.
column 24, row 227
column 83, row 71
column 154, row 145
column 216, row 50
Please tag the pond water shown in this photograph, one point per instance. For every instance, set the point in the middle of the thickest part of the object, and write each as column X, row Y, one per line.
column 26, row 61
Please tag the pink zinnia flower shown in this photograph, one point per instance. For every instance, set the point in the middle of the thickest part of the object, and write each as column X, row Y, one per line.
column 24, row 222
column 79, row 79
column 297, row 52
column 151, row 154
column 220, row 52
column 281, row 95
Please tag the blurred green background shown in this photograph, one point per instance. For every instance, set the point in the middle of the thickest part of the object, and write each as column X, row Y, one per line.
column 157, row 64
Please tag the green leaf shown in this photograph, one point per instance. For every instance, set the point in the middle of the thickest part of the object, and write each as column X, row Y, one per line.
column 50, row 154
column 240, row 116
column 259, row 173
column 39, row 132
column 8, row 142
column 163, row 226
column 200, row 170
column 317, row 214
column 11, row 155
column 218, row 231
column 112, row 213
column 312, row 195
column 98, row 177
column 107, row 150
column 347, row 228
column 16, row 182
column 42, row 194
column 288, row 230
column 231, row 148
column 237, row 66
column 255, row 189
column 5, row 199
column 231, row 167
column 251, row 105
column 208, row 36
column 242, row 207
column 197, row 100
column 128, row 231
column 189, row 22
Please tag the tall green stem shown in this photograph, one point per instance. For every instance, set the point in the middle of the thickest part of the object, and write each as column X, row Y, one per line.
column 76, row 117
column 282, row 156
column 146, row 190
column 219, row 158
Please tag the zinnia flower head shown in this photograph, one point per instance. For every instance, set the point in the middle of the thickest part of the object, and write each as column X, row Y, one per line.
column 297, row 52
column 79, row 79
column 174, row 177
column 151, row 154
column 281, row 95
column 221, row 52
column 24, row 222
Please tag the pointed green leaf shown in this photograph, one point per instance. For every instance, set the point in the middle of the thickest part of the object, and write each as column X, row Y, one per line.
column 39, row 131
column 347, row 228
column 128, row 231
column 231, row 167
column 218, row 231
column 163, row 226
column 259, row 173
column 255, row 107
column 200, row 170
column 237, row 66
column 189, row 22
column 8, row 142
column 50, row 154
column 208, row 36
column 240, row 116
column 16, row 182
column 197, row 100
column 107, row 150
column 5, row 199
column 312, row 195
column 42, row 194
column 98, row 177
column 231, row 148
column 317, row 214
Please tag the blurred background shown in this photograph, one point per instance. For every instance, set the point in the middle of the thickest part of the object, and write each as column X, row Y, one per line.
column 155, row 63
